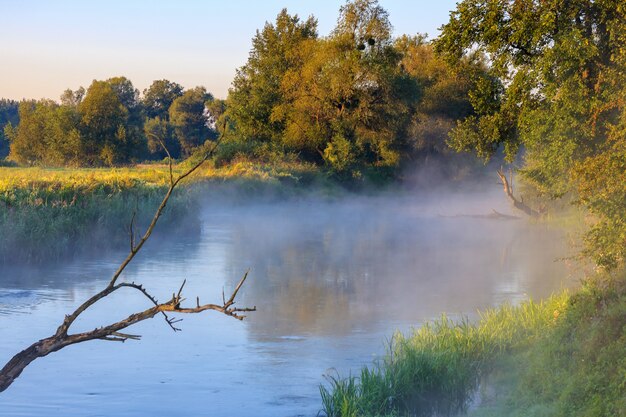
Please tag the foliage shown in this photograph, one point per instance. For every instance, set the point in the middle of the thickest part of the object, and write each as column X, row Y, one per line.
column 160, row 133
column 158, row 98
column 189, row 120
column 350, row 90
column 107, row 124
column 554, row 88
column 104, row 118
column 353, row 101
column 256, row 87
column 47, row 132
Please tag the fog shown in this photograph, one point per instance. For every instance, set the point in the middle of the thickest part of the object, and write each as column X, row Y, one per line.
column 332, row 277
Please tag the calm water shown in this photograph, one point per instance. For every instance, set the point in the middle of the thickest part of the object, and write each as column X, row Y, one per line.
column 332, row 281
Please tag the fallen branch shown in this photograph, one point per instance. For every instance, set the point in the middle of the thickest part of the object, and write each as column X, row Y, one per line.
column 112, row 332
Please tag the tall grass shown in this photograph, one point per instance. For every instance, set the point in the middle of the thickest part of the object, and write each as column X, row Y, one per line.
column 437, row 369
column 578, row 369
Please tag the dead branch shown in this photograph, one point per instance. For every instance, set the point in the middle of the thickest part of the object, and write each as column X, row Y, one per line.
column 518, row 204
column 112, row 332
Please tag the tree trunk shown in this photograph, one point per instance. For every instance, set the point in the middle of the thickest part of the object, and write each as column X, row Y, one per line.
column 518, row 204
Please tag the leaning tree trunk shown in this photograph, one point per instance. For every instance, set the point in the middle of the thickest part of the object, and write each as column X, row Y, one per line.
column 518, row 204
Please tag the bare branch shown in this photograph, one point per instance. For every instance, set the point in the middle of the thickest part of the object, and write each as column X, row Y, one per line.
column 231, row 300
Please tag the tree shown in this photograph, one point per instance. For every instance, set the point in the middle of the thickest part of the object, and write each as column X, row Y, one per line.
column 158, row 98
column 444, row 99
column 104, row 119
column 72, row 98
column 134, row 143
column 351, row 97
column 159, row 134
column 256, row 90
column 189, row 119
column 47, row 134
column 8, row 117
column 554, row 90
column 112, row 332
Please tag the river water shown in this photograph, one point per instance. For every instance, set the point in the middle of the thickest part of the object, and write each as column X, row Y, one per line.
column 332, row 281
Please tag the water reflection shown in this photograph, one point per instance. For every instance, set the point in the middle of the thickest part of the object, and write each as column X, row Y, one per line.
column 332, row 280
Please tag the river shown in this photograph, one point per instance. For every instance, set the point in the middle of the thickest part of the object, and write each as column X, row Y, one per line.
column 332, row 281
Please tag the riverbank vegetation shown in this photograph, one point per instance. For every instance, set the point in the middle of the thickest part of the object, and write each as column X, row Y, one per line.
column 564, row 356
column 50, row 213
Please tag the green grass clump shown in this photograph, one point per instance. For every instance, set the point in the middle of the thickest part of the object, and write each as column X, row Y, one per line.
column 578, row 368
column 437, row 369
column 562, row 357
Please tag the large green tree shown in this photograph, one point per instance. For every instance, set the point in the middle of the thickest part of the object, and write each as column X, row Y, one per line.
column 47, row 134
column 256, row 89
column 104, row 120
column 351, row 100
column 158, row 98
column 111, row 122
column 555, row 89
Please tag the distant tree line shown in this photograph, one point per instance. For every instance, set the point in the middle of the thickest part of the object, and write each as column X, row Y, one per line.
column 107, row 124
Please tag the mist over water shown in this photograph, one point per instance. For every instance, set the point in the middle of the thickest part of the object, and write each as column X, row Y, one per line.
column 332, row 280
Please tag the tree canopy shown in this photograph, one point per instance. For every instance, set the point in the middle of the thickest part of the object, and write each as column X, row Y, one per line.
column 554, row 89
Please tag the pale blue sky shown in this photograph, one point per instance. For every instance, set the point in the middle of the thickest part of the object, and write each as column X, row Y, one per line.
column 47, row 46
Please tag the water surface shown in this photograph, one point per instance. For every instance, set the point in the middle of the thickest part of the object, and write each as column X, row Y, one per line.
column 332, row 281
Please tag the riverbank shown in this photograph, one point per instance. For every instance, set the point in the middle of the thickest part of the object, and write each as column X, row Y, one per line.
column 565, row 356
column 52, row 213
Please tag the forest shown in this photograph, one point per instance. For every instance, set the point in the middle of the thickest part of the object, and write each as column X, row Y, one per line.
column 538, row 88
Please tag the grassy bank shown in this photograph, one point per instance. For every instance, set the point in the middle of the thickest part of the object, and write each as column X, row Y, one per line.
column 577, row 369
column 565, row 356
column 47, row 214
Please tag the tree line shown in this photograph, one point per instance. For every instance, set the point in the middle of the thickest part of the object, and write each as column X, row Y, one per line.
column 355, row 99
column 108, row 124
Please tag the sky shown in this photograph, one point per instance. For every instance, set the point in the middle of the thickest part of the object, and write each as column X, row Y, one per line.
column 47, row 46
